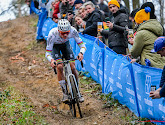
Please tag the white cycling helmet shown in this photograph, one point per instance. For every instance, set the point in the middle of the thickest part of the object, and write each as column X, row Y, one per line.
column 63, row 25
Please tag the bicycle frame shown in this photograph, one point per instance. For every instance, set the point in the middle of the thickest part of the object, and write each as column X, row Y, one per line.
column 68, row 74
column 72, row 87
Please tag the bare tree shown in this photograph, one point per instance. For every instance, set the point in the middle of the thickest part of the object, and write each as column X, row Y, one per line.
column 161, row 3
column 136, row 4
column 126, row 3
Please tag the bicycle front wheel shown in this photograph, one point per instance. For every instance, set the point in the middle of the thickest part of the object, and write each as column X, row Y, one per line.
column 75, row 94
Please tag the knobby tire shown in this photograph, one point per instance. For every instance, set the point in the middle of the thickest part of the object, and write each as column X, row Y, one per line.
column 76, row 97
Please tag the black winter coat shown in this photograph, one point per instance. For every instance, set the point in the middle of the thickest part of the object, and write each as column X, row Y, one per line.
column 162, row 84
column 104, row 8
column 91, row 23
column 64, row 8
column 116, row 35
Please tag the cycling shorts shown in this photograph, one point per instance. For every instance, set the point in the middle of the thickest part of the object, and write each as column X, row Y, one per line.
column 65, row 49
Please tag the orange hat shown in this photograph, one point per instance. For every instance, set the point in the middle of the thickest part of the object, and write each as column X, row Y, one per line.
column 114, row 2
column 142, row 15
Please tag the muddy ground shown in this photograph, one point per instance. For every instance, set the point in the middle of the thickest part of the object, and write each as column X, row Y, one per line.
column 23, row 65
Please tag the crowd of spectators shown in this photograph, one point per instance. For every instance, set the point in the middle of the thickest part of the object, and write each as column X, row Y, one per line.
column 84, row 15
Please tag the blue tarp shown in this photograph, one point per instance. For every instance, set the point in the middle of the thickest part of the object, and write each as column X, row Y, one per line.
column 129, row 83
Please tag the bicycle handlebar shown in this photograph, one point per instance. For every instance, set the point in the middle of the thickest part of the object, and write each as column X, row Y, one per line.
column 66, row 61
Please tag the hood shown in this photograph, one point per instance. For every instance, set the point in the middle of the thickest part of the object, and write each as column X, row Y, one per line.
column 152, row 25
column 119, row 11
column 122, row 11
column 96, row 10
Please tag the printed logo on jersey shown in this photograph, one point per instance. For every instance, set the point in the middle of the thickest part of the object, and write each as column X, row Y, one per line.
column 75, row 33
column 49, row 40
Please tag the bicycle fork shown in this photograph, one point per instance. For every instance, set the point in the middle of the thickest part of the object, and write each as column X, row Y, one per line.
column 68, row 76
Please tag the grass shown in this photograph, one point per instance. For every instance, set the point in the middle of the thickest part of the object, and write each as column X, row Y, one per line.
column 14, row 109
column 31, row 45
column 33, row 21
column 93, row 89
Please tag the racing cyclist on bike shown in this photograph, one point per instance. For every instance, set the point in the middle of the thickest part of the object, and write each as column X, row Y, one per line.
column 58, row 40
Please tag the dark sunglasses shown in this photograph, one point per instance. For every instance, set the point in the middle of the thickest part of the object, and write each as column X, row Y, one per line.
column 62, row 33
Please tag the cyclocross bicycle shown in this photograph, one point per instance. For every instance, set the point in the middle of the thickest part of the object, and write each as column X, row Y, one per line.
column 73, row 89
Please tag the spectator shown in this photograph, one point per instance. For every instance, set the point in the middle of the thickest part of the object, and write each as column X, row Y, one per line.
column 127, row 12
column 70, row 18
column 53, row 5
column 80, row 24
column 71, row 2
column 27, row 2
column 83, row 12
column 56, row 12
column 51, row 8
column 132, row 15
column 78, row 4
column 149, row 4
column 123, row 7
column 152, row 13
column 147, row 33
column 47, row 4
column 93, row 18
column 104, row 8
column 159, row 47
column 36, row 3
column 64, row 7
column 116, row 39
column 131, row 18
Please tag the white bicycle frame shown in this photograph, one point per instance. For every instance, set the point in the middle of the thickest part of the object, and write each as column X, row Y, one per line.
column 68, row 74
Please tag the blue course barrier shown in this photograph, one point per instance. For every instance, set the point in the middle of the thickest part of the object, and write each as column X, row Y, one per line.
column 129, row 83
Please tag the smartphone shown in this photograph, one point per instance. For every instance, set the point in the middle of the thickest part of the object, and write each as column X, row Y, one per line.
column 153, row 87
column 107, row 19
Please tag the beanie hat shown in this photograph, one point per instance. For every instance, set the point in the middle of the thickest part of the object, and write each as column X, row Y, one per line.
column 159, row 44
column 78, row 1
column 114, row 2
column 142, row 15
column 151, row 5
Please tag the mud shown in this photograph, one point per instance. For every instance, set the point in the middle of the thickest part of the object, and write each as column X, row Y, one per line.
column 23, row 65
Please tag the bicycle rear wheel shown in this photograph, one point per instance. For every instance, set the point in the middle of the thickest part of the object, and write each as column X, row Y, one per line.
column 74, row 90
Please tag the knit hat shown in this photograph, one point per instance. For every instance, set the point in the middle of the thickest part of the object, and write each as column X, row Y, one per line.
column 151, row 5
column 78, row 1
column 159, row 44
column 142, row 15
column 114, row 2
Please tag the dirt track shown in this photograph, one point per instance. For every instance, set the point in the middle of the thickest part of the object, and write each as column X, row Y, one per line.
column 23, row 65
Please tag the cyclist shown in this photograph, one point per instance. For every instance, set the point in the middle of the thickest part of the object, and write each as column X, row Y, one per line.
column 58, row 41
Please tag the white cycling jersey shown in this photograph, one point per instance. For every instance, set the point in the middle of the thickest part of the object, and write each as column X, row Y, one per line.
column 54, row 38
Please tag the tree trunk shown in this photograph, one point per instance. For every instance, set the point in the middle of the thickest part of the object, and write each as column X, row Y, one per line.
column 161, row 3
column 136, row 4
column 126, row 3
